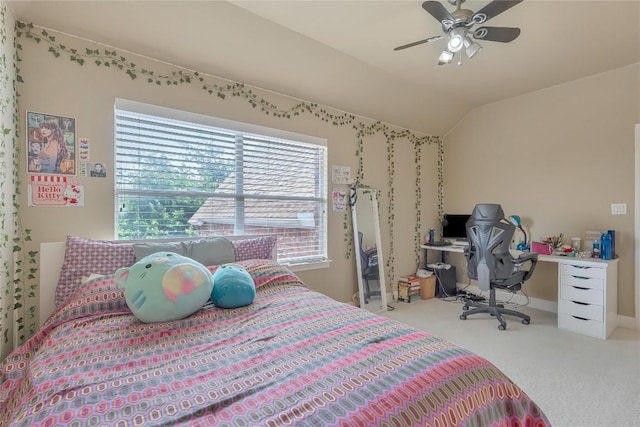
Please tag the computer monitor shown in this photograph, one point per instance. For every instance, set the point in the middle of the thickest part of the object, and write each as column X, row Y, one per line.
column 454, row 226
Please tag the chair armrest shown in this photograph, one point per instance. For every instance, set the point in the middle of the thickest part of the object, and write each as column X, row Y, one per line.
column 527, row 257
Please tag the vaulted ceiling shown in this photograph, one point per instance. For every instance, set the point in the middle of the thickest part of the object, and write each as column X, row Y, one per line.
column 340, row 53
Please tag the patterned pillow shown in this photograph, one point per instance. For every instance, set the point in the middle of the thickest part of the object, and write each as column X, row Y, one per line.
column 83, row 257
column 256, row 248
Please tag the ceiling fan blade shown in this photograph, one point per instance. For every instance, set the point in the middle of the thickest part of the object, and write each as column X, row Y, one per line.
column 493, row 9
column 497, row 34
column 438, row 11
column 430, row 39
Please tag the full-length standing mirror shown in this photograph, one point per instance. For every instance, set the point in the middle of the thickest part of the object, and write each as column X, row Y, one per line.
column 368, row 249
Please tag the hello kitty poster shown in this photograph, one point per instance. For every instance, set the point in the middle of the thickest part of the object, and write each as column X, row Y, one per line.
column 55, row 191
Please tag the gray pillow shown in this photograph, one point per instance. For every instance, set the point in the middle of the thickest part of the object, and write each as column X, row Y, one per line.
column 143, row 249
column 207, row 251
column 211, row 251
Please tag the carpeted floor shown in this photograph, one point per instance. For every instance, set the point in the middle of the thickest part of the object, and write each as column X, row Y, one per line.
column 578, row 381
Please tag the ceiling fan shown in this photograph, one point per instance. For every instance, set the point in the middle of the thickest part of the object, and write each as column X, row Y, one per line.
column 458, row 24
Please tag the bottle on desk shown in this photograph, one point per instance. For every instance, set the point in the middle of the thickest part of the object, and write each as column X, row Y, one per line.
column 612, row 233
column 432, row 235
column 605, row 246
column 596, row 248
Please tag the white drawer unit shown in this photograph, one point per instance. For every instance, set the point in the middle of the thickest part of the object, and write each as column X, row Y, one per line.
column 572, row 293
column 581, row 310
column 583, row 282
column 588, row 296
column 583, row 326
column 582, row 271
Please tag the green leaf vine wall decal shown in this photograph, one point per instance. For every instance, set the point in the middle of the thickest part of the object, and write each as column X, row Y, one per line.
column 17, row 282
column 111, row 58
column 417, row 155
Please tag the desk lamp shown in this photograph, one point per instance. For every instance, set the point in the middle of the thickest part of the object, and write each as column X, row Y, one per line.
column 515, row 220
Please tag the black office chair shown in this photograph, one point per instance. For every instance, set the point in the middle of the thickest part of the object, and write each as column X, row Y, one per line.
column 491, row 264
column 369, row 265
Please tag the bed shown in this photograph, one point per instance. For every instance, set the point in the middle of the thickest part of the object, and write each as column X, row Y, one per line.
column 292, row 357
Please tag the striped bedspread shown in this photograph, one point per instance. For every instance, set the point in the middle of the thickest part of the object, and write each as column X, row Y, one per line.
column 293, row 357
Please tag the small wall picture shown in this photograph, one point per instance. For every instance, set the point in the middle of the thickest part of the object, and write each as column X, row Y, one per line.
column 96, row 170
column 339, row 198
column 341, row 175
column 51, row 144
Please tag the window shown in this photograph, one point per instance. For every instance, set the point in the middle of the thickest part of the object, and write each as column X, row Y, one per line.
column 183, row 174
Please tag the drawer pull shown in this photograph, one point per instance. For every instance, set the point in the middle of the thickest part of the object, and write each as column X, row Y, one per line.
column 580, row 318
column 581, row 303
column 580, row 277
column 580, row 266
column 578, row 287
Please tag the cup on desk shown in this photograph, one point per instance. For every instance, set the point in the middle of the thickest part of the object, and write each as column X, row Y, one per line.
column 575, row 244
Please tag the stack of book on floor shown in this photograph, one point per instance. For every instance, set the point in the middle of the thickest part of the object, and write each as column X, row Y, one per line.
column 409, row 288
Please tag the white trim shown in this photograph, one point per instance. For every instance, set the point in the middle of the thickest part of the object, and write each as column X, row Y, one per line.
column 223, row 124
column 258, row 222
column 636, row 233
column 308, row 265
column 626, row 322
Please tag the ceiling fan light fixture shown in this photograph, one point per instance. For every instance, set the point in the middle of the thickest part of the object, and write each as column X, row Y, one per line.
column 455, row 43
column 445, row 57
column 456, row 39
column 471, row 47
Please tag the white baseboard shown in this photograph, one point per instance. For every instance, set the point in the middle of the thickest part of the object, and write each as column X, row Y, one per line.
column 518, row 299
column 626, row 322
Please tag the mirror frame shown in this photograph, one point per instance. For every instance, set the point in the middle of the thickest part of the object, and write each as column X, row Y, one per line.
column 356, row 244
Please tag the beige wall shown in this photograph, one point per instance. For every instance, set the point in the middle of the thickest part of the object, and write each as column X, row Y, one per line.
column 59, row 86
column 559, row 158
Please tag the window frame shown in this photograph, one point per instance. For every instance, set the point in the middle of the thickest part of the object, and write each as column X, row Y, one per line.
column 247, row 129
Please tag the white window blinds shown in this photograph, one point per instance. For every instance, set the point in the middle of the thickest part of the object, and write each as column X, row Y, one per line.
column 178, row 178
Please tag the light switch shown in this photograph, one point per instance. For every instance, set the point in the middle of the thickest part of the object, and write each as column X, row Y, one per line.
column 618, row 208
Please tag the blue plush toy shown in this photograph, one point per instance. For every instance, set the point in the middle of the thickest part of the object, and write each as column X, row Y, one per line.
column 165, row 286
column 233, row 287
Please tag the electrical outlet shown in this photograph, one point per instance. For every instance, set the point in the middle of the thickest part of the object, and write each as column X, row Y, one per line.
column 618, row 208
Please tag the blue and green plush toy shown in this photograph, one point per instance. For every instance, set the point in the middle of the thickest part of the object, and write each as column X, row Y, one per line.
column 165, row 286
column 233, row 287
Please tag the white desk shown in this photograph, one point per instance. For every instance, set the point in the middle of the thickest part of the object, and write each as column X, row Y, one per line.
column 587, row 292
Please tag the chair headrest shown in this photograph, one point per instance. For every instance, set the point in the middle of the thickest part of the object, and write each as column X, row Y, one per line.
column 487, row 212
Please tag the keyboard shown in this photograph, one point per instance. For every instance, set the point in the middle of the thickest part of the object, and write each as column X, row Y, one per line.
column 439, row 243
